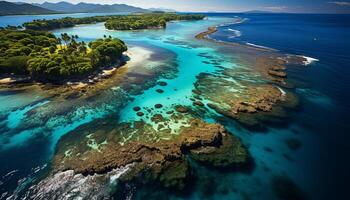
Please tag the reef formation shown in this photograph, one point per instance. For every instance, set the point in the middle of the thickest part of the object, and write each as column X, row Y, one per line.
column 150, row 159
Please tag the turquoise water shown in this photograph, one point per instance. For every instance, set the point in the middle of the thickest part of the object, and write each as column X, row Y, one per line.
column 32, row 122
column 18, row 20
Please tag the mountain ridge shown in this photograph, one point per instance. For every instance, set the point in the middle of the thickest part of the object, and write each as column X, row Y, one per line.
column 82, row 7
column 8, row 8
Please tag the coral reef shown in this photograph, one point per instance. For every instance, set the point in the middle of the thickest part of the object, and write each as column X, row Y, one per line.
column 161, row 160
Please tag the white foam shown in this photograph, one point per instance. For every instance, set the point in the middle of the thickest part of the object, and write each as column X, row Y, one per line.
column 260, row 46
column 118, row 172
column 237, row 20
column 237, row 33
column 309, row 60
column 282, row 91
column 67, row 184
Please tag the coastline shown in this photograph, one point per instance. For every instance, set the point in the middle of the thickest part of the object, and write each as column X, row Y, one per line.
column 86, row 87
column 273, row 69
column 133, row 57
column 213, row 29
column 203, row 35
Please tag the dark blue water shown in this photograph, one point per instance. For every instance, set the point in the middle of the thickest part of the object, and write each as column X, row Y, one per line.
column 326, row 84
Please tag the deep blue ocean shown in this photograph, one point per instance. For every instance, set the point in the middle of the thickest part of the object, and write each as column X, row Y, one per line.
column 320, row 167
column 325, row 94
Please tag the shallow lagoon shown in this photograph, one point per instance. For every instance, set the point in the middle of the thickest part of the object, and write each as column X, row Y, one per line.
column 32, row 126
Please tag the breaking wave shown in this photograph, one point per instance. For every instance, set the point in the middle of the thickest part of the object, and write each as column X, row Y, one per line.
column 69, row 185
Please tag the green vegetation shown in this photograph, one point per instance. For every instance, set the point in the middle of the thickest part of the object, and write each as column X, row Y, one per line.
column 8, row 8
column 147, row 21
column 44, row 25
column 115, row 22
column 47, row 58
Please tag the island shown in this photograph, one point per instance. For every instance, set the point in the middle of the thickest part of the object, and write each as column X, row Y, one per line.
column 114, row 22
column 147, row 21
column 45, row 58
column 34, row 54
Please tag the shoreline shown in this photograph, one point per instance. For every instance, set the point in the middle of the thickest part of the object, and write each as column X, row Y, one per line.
column 213, row 29
column 92, row 78
column 299, row 59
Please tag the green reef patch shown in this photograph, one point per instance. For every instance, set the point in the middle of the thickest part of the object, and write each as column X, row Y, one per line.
column 231, row 93
column 109, row 146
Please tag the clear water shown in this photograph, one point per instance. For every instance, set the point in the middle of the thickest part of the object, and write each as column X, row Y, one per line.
column 18, row 20
column 31, row 125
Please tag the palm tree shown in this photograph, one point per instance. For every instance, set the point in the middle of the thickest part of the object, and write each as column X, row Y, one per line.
column 60, row 42
column 82, row 48
column 65, row 37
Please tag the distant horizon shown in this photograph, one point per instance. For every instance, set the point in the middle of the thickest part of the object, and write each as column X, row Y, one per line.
column 225, row 6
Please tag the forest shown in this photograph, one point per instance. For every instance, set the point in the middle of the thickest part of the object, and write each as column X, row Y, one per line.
column 47, row 58
column 147, row 21
column 114, row 22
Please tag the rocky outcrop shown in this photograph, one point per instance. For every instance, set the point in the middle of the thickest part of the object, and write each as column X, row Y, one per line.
column 221, row 156
column 162, row 161
column 260, row 99
column 181, row 109
column 204, row 34
column 280, row 74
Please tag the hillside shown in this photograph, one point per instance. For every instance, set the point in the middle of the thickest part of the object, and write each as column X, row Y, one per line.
column 7, row 8
column 89, row 7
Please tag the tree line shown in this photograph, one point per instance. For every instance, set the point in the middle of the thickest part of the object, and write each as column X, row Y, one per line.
column 114, row 22
column 48, row 58
column 147, row 21
column 44, row 57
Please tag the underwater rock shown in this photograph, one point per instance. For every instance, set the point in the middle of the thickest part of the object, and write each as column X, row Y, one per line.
column 140, row 114
column 268, row 149
column 158, row 106
column 162, row 83
column 286, row 189
column 277, row 68
column 170, row 112
column 160, row 91
column 196, row 92
column 229, row 153
column 280, row 74
column 137, row 108
column 198, row 103
column 198, row 98
column 181, row 109
column 157, row 118
column 212, row 106
column 293, row 143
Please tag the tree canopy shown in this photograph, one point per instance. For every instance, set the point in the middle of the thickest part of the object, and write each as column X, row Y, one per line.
column 47, row 58
column 115, row 22
column 147, row 21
